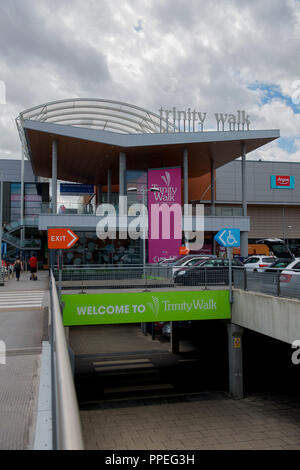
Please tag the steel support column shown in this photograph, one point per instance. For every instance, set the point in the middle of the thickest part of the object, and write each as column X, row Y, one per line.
column 212, row 187
column 212, row 197
column 54, row 192
column 185, row 177
column 244, row 235
column 122, row 234
column 174, row 337
column 99, row 194
column 109, row 186
column 186, row 182
column 22, row 233
column 54, row 177
column 122, row 170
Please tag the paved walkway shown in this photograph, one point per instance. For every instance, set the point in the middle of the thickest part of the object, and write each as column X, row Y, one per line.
column 209, row 420
column 23, row 320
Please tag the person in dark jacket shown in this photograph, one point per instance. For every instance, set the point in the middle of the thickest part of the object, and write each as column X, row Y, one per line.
column 18, row 268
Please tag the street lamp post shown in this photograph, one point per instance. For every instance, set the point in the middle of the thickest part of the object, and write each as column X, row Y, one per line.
column 133, row 189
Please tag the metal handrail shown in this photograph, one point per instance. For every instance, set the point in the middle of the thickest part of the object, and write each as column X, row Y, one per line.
column 67, row 427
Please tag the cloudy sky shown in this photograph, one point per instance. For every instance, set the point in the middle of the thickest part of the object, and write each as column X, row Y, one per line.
column 219, row 56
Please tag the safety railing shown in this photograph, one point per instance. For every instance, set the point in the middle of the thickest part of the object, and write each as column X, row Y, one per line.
column 29, row 244
column 141, row 276
column 67, row 433
column 278, row 282
column 69, row 208
column 27, row 222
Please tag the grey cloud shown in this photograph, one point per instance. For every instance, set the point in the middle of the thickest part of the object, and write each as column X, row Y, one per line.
column 33, row 44
column 56, row 49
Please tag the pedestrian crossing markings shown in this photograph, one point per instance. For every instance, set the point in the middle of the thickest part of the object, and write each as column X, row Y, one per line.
column 20, row 299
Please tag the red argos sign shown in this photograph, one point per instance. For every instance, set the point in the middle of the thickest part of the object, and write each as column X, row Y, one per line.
column 282, row 181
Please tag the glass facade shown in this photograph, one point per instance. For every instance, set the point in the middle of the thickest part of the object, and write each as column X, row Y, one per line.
column 32, row 200
column 91, row 250
column 228, row 211
column 137, row 180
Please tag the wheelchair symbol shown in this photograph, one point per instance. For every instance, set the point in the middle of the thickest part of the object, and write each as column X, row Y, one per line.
column 228, row 237
column 231, row 239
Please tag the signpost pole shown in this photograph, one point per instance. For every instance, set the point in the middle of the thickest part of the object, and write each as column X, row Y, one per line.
column 229, row 256
column 59, row 274
column 229, row 238
column 60, row 239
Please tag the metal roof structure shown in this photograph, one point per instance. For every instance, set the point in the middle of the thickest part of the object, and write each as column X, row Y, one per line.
column 91, row 133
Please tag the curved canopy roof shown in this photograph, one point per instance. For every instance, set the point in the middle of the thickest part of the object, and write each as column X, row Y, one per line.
column 93, row 113
column 91, row 133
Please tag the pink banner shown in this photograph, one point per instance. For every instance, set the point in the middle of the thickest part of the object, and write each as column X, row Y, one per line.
column 165, row 214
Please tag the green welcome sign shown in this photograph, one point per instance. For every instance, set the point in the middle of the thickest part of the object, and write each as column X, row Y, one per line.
column 135, row 307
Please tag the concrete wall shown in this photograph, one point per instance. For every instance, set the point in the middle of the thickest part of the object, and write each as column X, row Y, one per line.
column 272, row 316
column 89, row 222
column 229, row 182
column 11, row 170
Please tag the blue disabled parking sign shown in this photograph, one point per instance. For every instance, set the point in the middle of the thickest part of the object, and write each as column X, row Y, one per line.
column 229, row 237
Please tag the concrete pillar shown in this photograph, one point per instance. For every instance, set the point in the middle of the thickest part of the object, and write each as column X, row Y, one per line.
column 54, row 177
column 235, row 359
column 185, row 177
column 244, row 244
column 122, row 171
column 109, row 186
column 99, row 193
column 122, row 234
column 244, row 235
column 174, row 337
column 212, row 187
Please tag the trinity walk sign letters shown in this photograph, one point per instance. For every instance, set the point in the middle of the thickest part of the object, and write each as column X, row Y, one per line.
column 193, row 121
column 136, row 307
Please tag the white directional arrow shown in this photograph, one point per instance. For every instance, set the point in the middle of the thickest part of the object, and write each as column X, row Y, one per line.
column 220, row 237
column 74, row 238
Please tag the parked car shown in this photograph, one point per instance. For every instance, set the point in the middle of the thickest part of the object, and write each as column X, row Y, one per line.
column 290, row 280
column 278, row 247
column 258, row 262
column 185, row 328
column 183, row 270
column 167, row 261
column 186, row 260
column 278, row 265
column 211, row 271
column 166, row 329
column 159, row 326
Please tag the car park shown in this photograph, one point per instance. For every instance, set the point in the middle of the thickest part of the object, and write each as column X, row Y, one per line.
column 213, row 271
column 278, row 248
column 290, row 279
column 185, row 261
column 277, row 266
column 258, row 262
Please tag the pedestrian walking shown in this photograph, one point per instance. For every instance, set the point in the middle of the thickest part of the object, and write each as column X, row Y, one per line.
column 33, row 263
column 18, row 268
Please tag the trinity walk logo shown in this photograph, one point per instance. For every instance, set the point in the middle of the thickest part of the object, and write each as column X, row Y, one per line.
column 157, row 307
column 135, row 307
column 154, row 306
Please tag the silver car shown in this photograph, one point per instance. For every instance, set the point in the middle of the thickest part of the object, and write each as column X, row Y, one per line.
column 290, row 280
